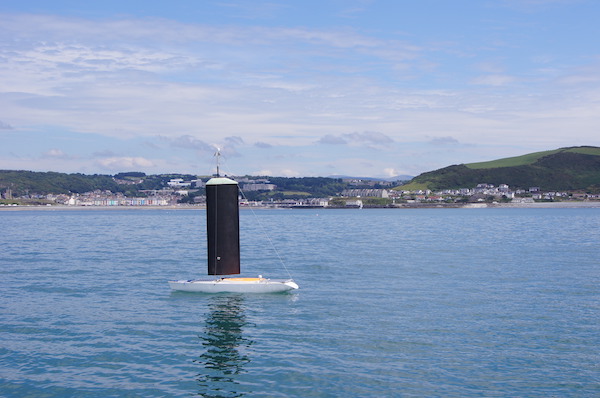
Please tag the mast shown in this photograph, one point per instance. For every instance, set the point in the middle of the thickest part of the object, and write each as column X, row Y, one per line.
column 218, row 156
column 223, row 225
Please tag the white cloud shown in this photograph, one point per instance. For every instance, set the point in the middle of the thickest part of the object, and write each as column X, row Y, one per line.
column 56, row 153
column 370, row 137
column 332, row 140
column 442, row 141
column 200, row 86
column 189, row 142
column 289, row 173
column 364, row 138
column 277, row 172
column 124, row 163
column 262, row 172
column 391, row 172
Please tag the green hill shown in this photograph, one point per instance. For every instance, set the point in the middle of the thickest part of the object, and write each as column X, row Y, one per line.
column 574, row 168
column 22, row 182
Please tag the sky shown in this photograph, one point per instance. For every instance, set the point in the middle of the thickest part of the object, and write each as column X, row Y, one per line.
column 369, row 88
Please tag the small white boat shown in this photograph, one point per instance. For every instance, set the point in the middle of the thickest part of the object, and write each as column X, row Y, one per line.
column 222, row 222
column 235, row 285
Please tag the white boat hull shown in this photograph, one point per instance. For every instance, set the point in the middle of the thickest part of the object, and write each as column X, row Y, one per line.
column 234, row 285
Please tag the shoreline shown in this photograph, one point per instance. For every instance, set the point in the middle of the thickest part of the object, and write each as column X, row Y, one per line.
column 539, row 205
column 94, row 208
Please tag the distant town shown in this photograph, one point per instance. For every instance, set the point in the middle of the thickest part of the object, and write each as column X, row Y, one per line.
column 263, row 192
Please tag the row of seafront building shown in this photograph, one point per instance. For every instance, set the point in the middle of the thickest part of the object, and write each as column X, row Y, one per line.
column 176, row 189
column 170, row 195
column 483, row 192
column 399, row 198
column 107, row 198
column 352, row 197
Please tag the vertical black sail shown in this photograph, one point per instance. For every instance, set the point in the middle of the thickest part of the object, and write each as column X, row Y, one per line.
column 223, row 226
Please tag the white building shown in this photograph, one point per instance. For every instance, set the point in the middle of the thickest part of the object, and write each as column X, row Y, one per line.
column 178, row 182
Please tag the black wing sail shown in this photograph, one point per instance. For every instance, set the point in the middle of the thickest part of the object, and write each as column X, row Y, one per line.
column 223, row 226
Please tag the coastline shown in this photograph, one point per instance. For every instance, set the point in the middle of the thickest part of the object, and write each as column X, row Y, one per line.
column 95, row 208
column 538, row 205
column 584, row 204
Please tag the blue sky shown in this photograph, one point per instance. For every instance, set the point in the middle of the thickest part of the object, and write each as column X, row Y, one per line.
column 294, row 88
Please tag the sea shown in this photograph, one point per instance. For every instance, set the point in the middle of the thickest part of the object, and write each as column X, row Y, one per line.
column 490, row 302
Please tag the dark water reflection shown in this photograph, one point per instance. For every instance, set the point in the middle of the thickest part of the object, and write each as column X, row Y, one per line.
column 225, row 348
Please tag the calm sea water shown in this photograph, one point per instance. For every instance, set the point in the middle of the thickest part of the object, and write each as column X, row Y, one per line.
column 438, row 302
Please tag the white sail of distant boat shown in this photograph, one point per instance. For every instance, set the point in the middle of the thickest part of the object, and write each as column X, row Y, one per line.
column 222, row 222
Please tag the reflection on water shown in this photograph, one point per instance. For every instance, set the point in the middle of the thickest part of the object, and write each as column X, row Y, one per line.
column 225, row 347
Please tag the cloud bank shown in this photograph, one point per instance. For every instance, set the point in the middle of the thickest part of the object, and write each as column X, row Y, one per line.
column 160, row 93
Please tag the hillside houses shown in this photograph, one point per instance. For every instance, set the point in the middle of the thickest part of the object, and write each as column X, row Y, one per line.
column 485, row 193
column 303, row 192
column 258, row 187
column 370, row 193
column 181, row 183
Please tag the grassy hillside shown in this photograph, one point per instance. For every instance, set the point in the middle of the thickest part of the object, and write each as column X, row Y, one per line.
column 575, row 168
column 531, row 158
column 511, row 162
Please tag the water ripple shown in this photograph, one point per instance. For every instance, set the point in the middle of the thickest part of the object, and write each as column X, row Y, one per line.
column 483, row 302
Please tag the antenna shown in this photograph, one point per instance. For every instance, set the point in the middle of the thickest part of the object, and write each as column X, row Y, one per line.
column 218, row 156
